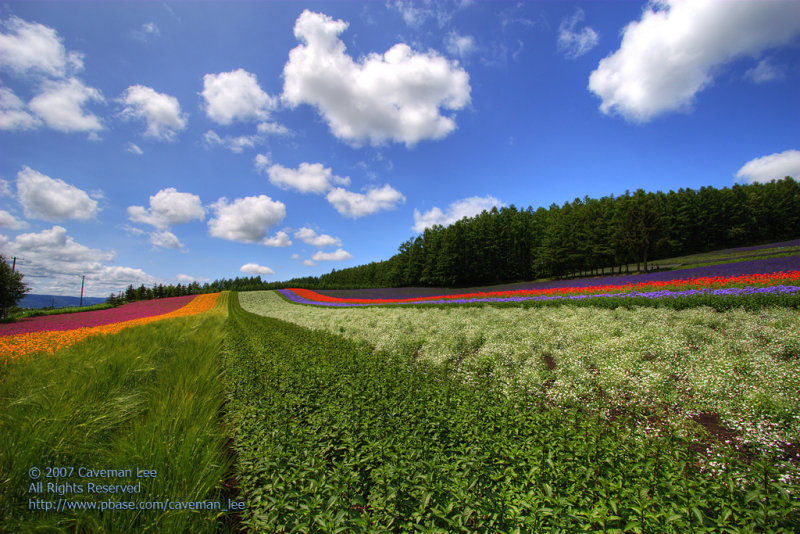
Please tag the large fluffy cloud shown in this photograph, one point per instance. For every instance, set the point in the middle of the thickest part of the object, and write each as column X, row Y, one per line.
column 310, row 237
column 247, row 219
column 307, row 178
column 61, row 105
column 392, row 96
column 771, row 167
column 355, row 205
column 55, row 262
column 168, row 207
column 52, row 199
column 671, row 54
column 235, row 96
column 466, row 207
column 30, row 47
column 162, row 112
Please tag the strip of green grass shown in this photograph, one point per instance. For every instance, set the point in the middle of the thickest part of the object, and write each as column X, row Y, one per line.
column 332, row 436
column 727, row 255
column 149, row 398
column 725, row 261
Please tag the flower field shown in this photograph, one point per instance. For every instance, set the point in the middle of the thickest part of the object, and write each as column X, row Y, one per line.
column 664, row 364
column 759, row 284
column 54, row 332
column 147, row 398
column 727, row 270
column 400, row 410
column 334, row 434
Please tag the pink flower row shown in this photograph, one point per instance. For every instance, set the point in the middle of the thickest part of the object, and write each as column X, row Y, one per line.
column 70, row 321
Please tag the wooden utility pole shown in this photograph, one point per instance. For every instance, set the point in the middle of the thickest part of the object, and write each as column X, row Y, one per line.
column 83, row 278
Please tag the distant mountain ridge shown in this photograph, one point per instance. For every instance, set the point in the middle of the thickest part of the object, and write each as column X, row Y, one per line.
column 56, row 301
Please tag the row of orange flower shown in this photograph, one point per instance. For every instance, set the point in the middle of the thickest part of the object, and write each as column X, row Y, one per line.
column 22, row 344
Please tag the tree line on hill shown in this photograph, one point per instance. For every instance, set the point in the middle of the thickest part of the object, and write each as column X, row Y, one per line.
column 194, row 288
column 581, row 237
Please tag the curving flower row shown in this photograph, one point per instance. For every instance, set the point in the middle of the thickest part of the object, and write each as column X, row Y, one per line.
column 71, row 321
column 774, row 283
column 15, row 345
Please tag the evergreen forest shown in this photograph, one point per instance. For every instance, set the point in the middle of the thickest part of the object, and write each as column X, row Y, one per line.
column 581, row 237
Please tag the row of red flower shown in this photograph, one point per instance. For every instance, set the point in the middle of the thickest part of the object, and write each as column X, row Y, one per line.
column 748, row 280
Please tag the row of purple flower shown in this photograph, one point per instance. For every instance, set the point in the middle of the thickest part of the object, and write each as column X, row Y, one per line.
column 731, row 291
column 769, row 265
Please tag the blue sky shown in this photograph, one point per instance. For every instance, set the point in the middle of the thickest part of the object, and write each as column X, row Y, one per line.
column 168, row 142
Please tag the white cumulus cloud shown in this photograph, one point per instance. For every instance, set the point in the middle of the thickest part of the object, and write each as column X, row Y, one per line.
column 272, row 128
column 309, row 263
column 247, row 219
column 168, row 207
column 188, row 279
column 166, row 239
column 55, row 262
column 672, row 52
column 772, row 167
column 392, row 96
column 254, row 268
column 61, row 105
column 162, row 112
column 573, row 42
column 7, row 220
column 280, row 239
column 52, row 199
column 338, row 255
column 310, row 237
column 355, row 205
column 261, row 162
column 307, row 178
column 30, row 47
column 466, row 207
column 13, row 113
column 235, row 96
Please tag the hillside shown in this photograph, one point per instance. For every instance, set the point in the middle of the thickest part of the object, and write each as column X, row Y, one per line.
column 56, row 301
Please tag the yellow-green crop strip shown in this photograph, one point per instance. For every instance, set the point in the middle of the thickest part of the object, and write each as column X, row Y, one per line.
column 660, row 362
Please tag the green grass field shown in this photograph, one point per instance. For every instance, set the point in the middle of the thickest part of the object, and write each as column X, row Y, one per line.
column 460, row 419
column 149, row 397
column 333, row 435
